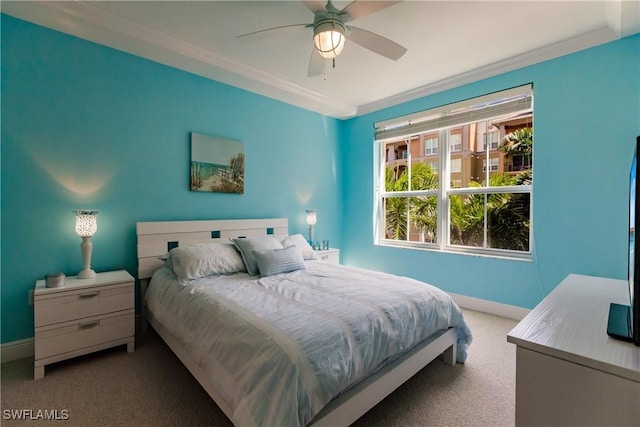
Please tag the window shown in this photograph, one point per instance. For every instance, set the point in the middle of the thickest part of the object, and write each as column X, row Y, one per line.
column 520, row 162
column 492, row 138
column 494, row 164
column 459, row 202
column 456, row 165
column 430, row 146
column 455, row 142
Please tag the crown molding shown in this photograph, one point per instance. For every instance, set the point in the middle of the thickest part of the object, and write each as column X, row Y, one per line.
column 584, row 41
column 623, row 17
column 90, row 22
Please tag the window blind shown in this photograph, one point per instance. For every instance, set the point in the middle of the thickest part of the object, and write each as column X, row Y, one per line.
column 510, row 101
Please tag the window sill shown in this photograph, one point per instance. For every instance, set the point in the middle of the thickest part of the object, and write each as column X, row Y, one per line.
column 526, row 257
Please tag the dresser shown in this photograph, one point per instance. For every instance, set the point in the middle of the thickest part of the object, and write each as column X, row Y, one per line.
column 329, row 255
column 569, row 372
column 83, row 316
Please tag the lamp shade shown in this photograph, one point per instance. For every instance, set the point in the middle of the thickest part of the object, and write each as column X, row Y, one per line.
column 86, row 223
column 311, row 216
column 328, row 39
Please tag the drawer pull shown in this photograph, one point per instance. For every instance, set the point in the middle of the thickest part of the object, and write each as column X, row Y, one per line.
column 324, row 257
column 89, row 295
column 88, row 325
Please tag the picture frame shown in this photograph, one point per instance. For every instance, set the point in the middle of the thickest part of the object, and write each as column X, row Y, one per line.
column 217, row 164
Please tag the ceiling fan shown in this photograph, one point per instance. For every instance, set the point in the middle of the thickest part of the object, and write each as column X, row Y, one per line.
column 330, row 30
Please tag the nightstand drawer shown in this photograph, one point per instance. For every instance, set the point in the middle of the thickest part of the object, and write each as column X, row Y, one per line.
column 74, row 304
column 329, row 255
column 91, row 331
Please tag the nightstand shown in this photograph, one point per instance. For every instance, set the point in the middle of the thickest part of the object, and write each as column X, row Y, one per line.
column 83, row 316
column 329, row 255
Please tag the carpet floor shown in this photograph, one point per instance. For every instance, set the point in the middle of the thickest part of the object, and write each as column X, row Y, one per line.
column 151, row 387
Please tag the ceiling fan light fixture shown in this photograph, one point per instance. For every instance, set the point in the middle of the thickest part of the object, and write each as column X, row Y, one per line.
column 328, row 38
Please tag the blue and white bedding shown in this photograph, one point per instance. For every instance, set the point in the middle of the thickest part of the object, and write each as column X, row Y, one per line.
column 279, row 348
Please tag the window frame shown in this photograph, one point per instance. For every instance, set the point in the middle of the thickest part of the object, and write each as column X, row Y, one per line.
column 497, row 164
column 458, row 162
column 444, row 192
column 488, row 142
column 431, row 149
column 457, row 147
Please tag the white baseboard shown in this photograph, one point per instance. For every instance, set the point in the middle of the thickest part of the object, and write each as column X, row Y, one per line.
column 485, row 306
column 22, row 349
column 15, row 350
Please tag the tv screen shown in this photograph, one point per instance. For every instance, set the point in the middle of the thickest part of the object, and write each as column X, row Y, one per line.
column 632, row 232
column 624, row 320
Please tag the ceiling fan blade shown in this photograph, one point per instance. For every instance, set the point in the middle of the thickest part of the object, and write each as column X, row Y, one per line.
column 315, row 5
column 316, row 64
column 272, row 29
column 360, row 9
column 376, row 43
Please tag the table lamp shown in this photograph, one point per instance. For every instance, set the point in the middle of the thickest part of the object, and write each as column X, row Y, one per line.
column 86, row 227
column 311, row 221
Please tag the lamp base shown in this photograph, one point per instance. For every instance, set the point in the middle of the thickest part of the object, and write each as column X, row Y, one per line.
column 86, row 274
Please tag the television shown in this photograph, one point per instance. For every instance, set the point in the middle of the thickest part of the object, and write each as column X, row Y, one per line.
column 624, row 320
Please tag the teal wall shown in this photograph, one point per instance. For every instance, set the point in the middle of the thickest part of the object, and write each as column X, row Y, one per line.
column 85, row 126
column 586, row 119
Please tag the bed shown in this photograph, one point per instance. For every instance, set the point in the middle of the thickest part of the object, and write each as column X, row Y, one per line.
column 243, row 332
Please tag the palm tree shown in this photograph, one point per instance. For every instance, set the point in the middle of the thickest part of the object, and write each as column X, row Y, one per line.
column 508, row 219
column 507, row 215
column 518, row 142
column 395, row 208
column 422, row 210
column 424, row 216
column 466, row 213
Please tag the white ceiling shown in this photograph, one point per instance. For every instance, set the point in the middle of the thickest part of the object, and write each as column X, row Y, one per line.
column 449, row 42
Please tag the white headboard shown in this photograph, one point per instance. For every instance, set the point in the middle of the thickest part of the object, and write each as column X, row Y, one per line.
column 155, row 239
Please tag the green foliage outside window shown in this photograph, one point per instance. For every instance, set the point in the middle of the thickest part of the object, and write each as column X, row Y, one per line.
column 507, row 213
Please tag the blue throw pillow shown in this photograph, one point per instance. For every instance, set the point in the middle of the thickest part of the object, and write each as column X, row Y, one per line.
column 276, row 261
column 248, row 245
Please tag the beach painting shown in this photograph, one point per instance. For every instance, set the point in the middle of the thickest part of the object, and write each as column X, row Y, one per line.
column 217, row 164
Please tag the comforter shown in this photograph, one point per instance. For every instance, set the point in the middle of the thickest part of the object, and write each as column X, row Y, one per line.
column 279, row 348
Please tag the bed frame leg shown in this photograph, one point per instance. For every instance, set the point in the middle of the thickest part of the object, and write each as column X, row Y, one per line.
column 449, row 355
column 144, row 324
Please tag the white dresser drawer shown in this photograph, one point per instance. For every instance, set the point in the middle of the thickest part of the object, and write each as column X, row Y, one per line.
column 74, row 304
column 67, row 337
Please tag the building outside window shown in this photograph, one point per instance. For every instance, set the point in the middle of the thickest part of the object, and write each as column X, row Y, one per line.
column 493, row 164
column 455, row 202
column 456, row 165
column 455, row 142
column 431, row 146
column 492, row 138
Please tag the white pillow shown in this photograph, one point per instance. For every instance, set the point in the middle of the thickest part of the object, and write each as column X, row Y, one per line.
column 277, row 261
column 304, row 248
column 246, row 246
column 195, row 261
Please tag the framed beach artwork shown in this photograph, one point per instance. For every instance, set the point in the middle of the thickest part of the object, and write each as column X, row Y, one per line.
column 217, row 164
